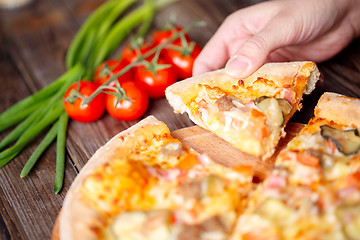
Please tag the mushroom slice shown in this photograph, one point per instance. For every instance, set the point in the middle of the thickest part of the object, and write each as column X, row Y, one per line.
column 346, row 141
column 284, row 106
column 274, row 108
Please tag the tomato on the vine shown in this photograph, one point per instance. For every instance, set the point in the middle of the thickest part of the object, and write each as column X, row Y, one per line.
column 128, row 110
column 129, row 54
column 155, row 85
column 183, row 64
column 115, row 66
column 161, row 36
column 93, row 111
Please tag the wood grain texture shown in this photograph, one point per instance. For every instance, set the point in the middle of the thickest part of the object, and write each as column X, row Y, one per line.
column 33, row 43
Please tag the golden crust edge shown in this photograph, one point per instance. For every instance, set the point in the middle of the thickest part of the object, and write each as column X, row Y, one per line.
column 180, row 93
column 74, row 207
column 339, row 108
column 283, row 74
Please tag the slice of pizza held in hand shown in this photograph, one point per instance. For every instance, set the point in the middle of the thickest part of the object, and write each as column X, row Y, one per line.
column 249, row 113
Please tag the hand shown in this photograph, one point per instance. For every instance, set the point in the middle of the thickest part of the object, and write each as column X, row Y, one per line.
column 283, row 30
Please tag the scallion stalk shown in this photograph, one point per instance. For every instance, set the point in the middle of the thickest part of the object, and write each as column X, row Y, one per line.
column 30, row 133
column 60, row 153
column 41, row 95
column 96, row 18
column 48, row 139
column 16, row 133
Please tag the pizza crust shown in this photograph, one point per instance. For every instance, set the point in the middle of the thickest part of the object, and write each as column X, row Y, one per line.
column 77, row 219
column 339, row 108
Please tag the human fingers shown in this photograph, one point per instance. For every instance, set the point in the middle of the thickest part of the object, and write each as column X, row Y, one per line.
column 235, row 30
column 281, row 31
column 213, row 56
column 296, row 23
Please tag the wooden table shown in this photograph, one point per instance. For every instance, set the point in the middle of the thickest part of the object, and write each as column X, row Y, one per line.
column 33, row 43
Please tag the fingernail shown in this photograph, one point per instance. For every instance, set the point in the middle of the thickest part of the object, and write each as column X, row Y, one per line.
column 237, row 65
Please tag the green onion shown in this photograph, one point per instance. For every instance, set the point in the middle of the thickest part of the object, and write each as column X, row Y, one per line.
column 21, row 115
column 122, row 28
column 113, row 15
column 60, row 153
column 30, row 133
column 102, row 31
column 16, row 133
column 50, row 136
column 4, row 161
column 147, row 19
column 34, row 99
column 97, row 17
column 87, row 47
column 118, row 32
column 43, row 108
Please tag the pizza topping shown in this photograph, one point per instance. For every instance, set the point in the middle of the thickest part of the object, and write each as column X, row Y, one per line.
column 284, row 106
column 140, row 225
column 346, row 141
column 209, row 94
column 214, row 228
column 275, row 210
column 305, row 174
column 308, row 159
column 200, row 187
column 270, row 107
column 338, row 169
column 172, row 149
column 224, row 104
column 160, row 225
column 350, row 218
column 274, row 108
column 289, row 95
column 274, row 182
column 191, row 189
column 170, row 174
column 218, row 110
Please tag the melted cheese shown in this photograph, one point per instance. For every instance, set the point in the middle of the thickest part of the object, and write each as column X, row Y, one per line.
column 149, row 177
column 237, row 119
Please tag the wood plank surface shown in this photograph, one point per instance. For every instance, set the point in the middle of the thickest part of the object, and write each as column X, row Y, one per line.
column 33, row 43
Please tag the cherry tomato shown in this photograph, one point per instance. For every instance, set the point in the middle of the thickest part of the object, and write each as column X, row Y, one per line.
column 129, row 54
column 155, row 85
column 115, row 66
column 125, row 109
column 93, row 111
column 160, row 36
column 183, row 65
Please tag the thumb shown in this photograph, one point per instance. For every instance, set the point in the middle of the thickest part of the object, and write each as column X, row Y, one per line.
column 253, row 53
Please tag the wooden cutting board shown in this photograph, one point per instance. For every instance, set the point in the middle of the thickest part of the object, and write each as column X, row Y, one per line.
column 223, row 152
column 218, row 149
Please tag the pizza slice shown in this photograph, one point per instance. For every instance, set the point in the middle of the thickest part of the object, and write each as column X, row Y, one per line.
column 145, row 184
column 249, row 113
column 328, row 147
column 314, row 190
